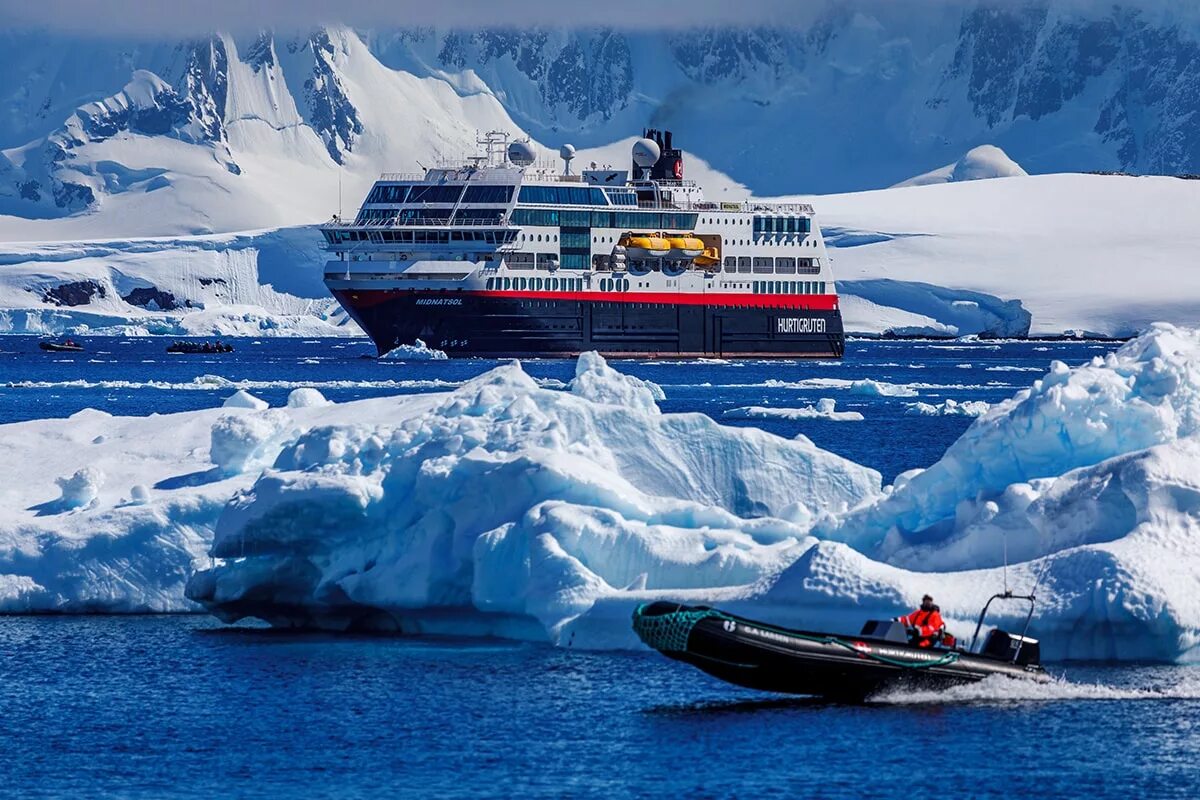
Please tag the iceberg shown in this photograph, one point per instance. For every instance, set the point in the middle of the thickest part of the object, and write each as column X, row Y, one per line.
column 508, row 507
column 512, row 508
column 949, row 408
column 417, row 351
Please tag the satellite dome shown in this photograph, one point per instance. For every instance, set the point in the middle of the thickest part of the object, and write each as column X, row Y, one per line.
column 521, row 153
column 646, row 152
column 566, row 152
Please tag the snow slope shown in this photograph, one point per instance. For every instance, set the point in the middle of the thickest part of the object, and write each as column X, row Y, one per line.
column 1091, row 253
column 979, row 163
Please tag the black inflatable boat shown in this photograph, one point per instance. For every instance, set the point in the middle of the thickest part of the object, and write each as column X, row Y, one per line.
column 774, row 659
column 208, row 348
column 61, row 347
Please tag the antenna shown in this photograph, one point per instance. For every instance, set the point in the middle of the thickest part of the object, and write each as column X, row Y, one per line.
column 1005, row 538
column 339, row 192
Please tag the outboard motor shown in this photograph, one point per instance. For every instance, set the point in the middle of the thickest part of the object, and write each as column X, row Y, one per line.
column 1021, row 650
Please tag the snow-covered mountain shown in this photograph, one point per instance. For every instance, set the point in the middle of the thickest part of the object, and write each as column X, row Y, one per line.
column 865, row 95
column 132, row 140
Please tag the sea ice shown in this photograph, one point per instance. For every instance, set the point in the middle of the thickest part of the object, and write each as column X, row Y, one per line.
column 243, row 399
column 824, row 409
column 503, row 507
column 949, row 408
column 417, row 351
column 81, row 488
column 306, row 397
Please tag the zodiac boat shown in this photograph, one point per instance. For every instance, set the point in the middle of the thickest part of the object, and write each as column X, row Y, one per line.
column 769, row 658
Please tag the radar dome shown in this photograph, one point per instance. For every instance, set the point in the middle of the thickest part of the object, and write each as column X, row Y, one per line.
column 566, row 152
column 521, row 153
column 646, row 153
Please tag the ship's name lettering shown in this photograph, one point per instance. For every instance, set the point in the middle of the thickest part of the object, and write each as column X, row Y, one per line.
column 799, row 325
column 439, row 301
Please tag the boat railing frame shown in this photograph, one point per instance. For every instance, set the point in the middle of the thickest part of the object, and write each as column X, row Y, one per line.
column 1006, row 595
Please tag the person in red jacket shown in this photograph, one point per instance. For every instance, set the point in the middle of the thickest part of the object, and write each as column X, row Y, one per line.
column 925, row 624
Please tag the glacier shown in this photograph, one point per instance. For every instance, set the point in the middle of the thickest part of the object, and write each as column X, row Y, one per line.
column 504, row 507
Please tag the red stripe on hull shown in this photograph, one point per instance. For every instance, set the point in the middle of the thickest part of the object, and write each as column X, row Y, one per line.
column 815, row 302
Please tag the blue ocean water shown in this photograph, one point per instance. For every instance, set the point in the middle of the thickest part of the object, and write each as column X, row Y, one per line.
column 136, row 376
column 178, row 707
column 175, row 707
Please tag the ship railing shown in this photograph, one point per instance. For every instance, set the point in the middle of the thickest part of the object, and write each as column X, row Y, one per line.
column 388, row 225
column 402, row 176
column 744, row 207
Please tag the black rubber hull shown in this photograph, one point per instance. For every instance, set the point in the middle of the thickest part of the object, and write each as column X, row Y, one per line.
column 466, row 324
column 771, row 659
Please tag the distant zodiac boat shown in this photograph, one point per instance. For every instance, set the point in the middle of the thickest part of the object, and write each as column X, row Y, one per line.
column 502, row 257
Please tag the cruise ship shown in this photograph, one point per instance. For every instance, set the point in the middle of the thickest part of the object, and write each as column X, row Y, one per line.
column 502, row 256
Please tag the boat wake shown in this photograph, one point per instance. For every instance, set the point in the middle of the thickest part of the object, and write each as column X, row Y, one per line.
column 1002, row 690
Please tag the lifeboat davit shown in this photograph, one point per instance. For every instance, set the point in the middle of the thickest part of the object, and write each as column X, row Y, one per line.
column 685, row 246
column 645, row 245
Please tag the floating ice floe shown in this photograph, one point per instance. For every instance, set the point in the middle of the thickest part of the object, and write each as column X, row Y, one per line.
column 417, row 351
column 826, row 408
column 949, row 408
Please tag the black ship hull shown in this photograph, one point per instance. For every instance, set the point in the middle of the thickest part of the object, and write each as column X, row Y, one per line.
column 772, row 659
column 494, row 325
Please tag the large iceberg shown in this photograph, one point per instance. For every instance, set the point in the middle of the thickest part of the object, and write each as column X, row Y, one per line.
column 506, row 507
column 509, row 508
column 578, row 509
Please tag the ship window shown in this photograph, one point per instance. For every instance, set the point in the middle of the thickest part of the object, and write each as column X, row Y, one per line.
column 574, row 261
column 417, row 216
column 508, row 283
column 388, row 194
column 785, row 265
column 575, row 240
column 743, row 263
column 730, row 264
column 488, row 194
column 807, row 266
column 546, row 260
column 519, row 260
column 764, row 265
column 821, row 290
column 434, row 194
column 562, row 195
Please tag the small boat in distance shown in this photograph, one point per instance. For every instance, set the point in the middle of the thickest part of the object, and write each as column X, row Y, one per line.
column 65, row 346
column 775, row 659
column 199, row 347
